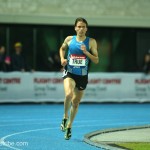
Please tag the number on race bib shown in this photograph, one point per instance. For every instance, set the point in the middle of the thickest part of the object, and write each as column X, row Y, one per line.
column 77, row 60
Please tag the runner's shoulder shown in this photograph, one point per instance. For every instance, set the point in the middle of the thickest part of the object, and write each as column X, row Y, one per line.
column 68, row 39
column 92, row 40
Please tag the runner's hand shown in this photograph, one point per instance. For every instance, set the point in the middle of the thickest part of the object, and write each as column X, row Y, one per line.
column 63, row 62
column 83, row 48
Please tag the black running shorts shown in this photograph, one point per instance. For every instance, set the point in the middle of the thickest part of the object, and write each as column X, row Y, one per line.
column 81, row 81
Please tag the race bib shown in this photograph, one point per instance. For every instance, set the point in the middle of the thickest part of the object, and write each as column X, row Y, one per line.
column 77, row 60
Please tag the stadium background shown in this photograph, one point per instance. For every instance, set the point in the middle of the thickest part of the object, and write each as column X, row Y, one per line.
column 122, row 32
column 121, row 29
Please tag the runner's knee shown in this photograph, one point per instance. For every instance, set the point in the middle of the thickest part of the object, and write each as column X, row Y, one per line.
column 75, row 104
column 69, row 95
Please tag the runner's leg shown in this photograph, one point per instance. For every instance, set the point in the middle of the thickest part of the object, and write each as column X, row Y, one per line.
column 69, row 86
column 77, row 95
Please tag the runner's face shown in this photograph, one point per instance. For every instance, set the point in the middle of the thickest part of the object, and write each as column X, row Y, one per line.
column 81, row 28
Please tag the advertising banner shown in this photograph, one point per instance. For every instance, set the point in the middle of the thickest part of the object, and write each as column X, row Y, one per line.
column 48, row 87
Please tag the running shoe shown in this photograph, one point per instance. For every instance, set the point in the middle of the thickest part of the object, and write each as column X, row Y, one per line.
column 68, row 133
column 63, row 125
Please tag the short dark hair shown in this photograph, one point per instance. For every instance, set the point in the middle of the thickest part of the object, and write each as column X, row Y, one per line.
column 82, row 20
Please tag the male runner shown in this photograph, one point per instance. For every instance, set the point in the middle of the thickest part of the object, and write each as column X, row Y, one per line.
column 81, row 50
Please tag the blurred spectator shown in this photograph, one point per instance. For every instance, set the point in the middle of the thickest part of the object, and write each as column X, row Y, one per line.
column 18, row 60
column 57, row 63
column 2, row 58
column 50, row 62
column 5, row 61
column 146, row 67
column 54, row 62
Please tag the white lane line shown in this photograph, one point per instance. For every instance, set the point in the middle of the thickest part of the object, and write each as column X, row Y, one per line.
column 21, row 120
column 48, row 122
column 58, row 120
column 2, row 140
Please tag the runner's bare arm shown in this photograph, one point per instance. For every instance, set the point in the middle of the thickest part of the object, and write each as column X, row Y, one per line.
column 63, row 50
column 94, row 54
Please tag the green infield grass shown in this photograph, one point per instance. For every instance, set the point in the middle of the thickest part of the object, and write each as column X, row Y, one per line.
column 135, row 146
